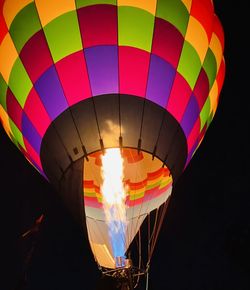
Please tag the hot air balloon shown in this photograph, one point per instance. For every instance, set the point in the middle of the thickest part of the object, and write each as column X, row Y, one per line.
column 109, row 100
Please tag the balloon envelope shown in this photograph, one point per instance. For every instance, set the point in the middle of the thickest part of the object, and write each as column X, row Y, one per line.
column 80, row 76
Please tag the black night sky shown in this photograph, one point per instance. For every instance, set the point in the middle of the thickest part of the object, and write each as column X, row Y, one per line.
column 205, row 240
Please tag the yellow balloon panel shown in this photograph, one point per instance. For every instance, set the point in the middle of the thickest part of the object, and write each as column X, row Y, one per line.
column 5, row 121
column 188, row 4
column 217, row 49
column 197, row 37
column 12, row 7
column 8, row 56
column 51, row 9
column 149, row 5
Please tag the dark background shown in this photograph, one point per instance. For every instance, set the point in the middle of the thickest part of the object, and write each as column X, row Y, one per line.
column 205, row 240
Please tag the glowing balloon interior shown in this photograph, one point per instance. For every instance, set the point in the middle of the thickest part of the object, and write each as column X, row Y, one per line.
column 144, row 187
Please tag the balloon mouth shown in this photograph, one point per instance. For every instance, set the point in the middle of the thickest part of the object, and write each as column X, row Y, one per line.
column 146, row 183
column 144, row 126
